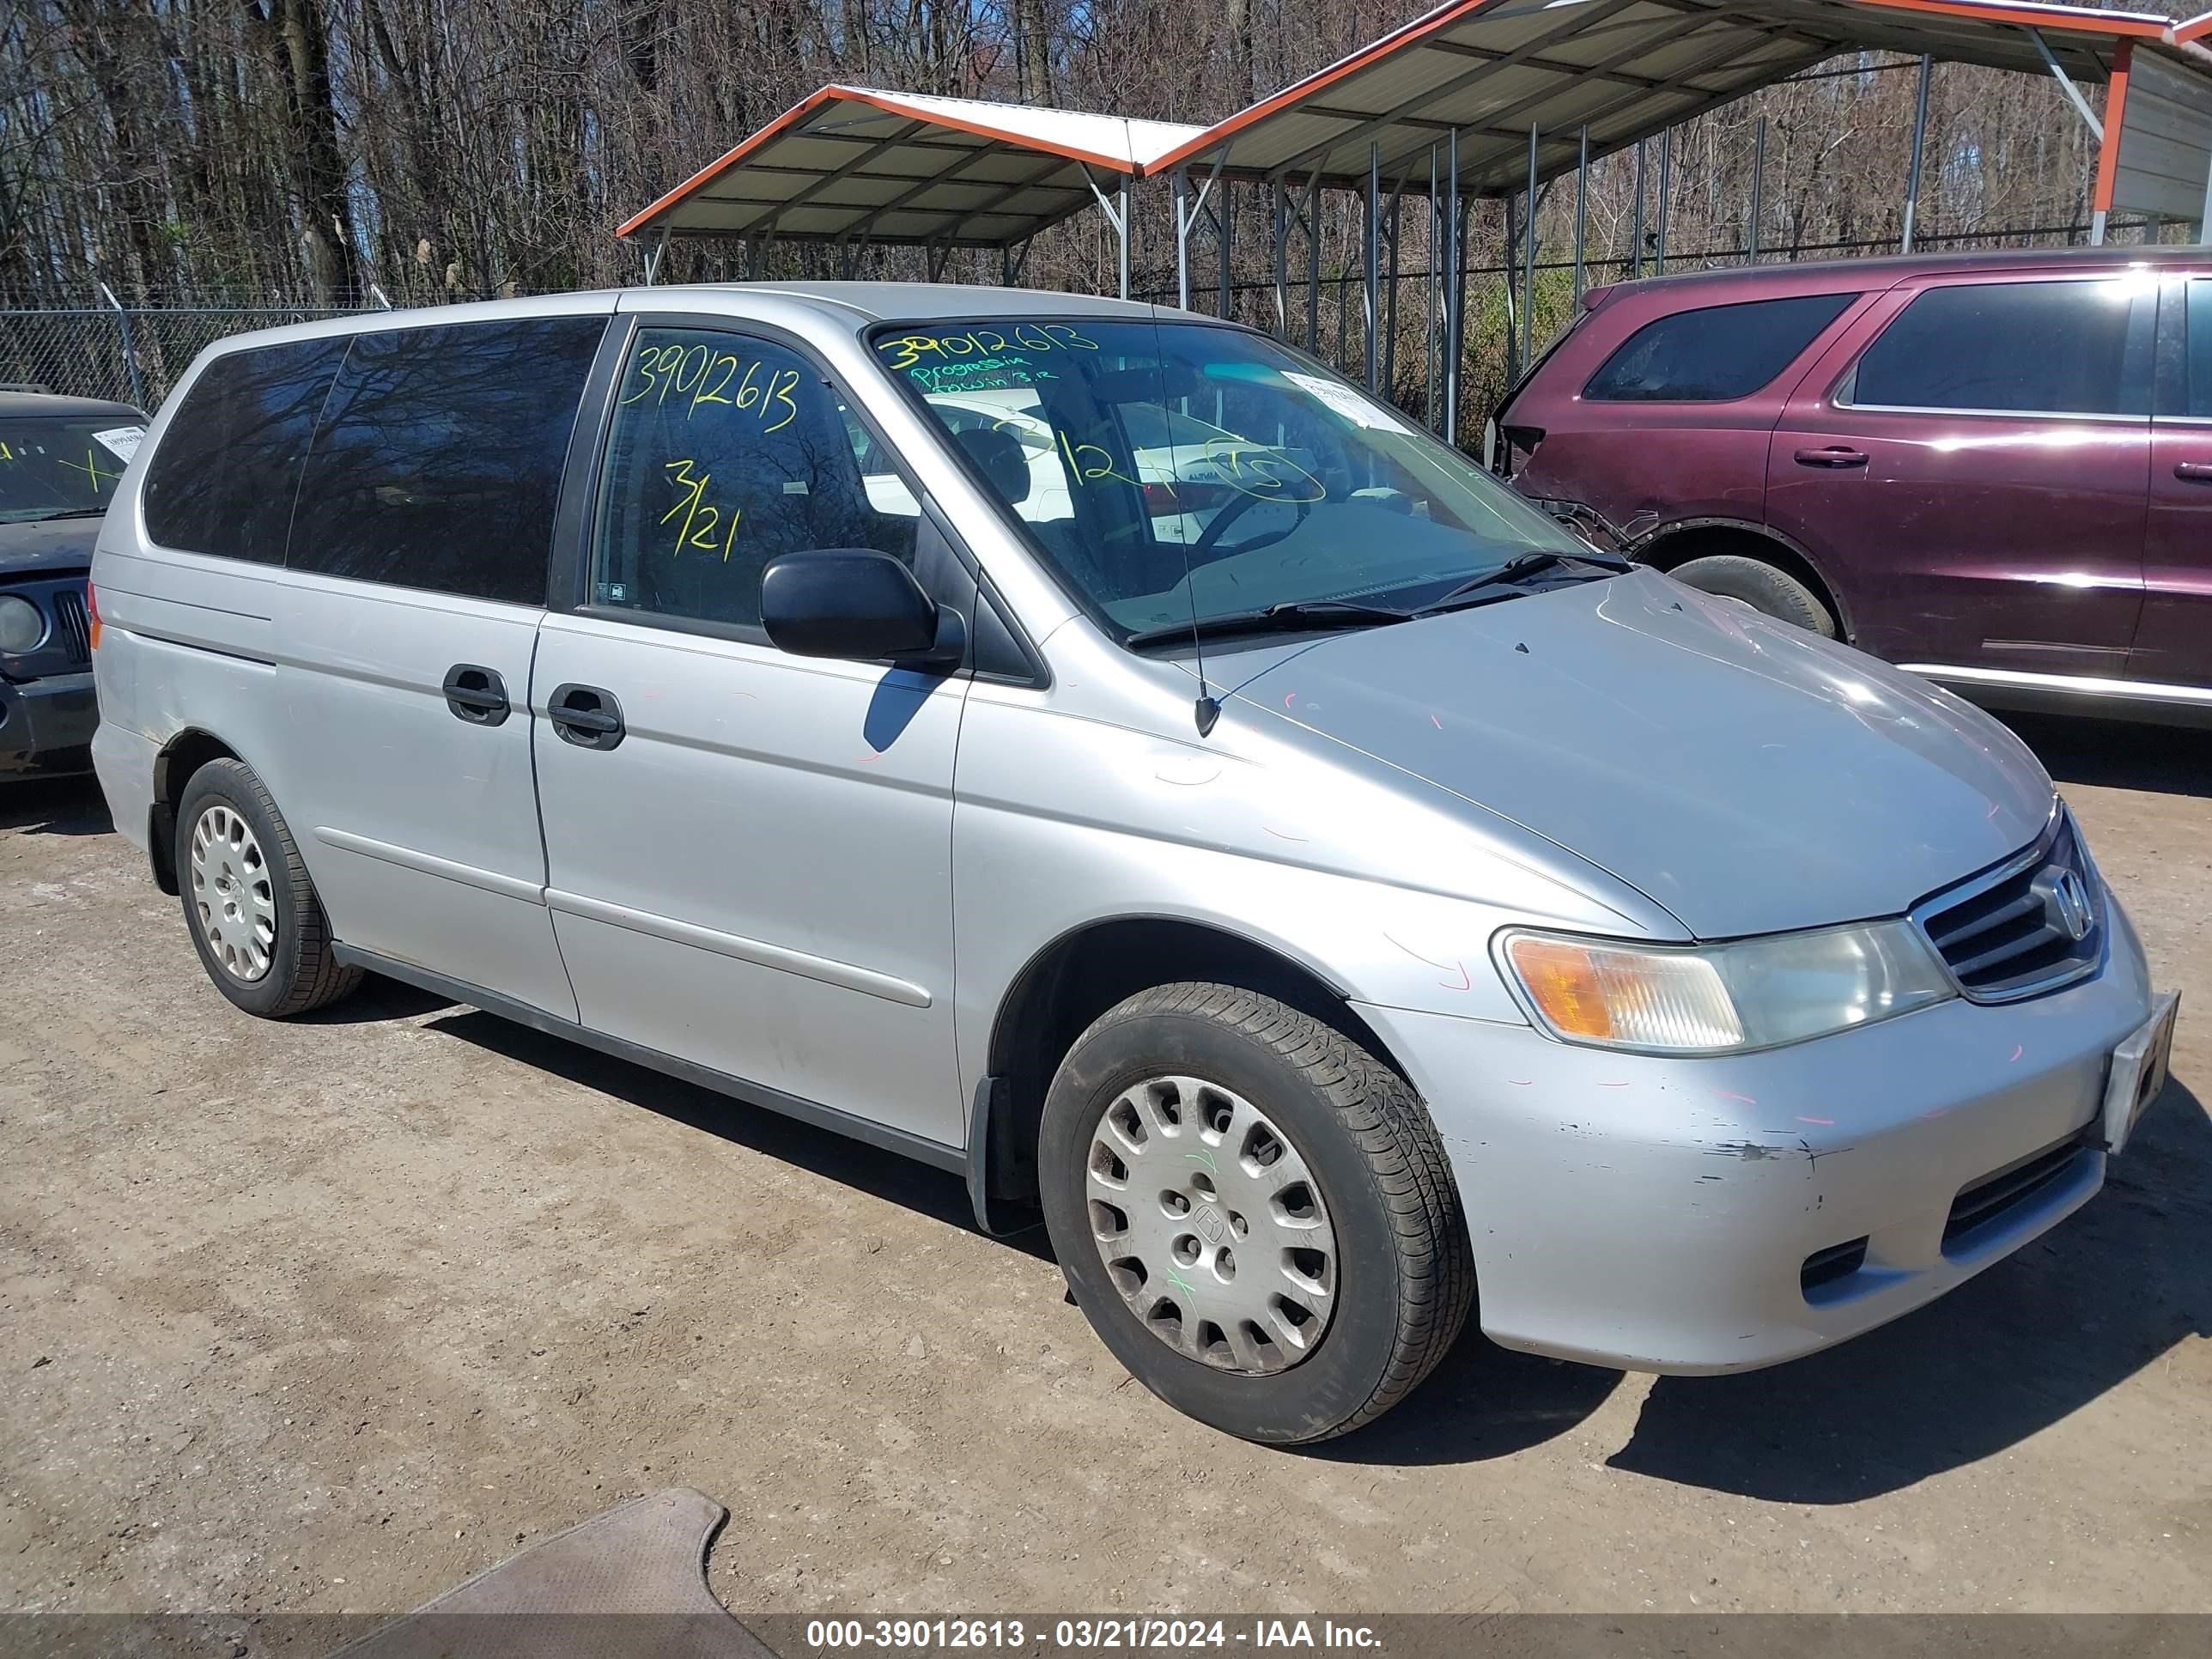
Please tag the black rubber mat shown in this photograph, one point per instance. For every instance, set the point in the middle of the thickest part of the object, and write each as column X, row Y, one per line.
column 628, row 1584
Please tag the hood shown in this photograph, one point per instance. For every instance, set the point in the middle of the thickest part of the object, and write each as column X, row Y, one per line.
column 1742, row 773
column 48, row 544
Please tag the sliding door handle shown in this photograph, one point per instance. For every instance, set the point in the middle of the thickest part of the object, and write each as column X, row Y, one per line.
column 1833, row 455
column 476, row 694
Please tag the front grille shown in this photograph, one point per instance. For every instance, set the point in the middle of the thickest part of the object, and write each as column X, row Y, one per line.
column 72, row 629
column 1992, row 1198
column 2031, row 925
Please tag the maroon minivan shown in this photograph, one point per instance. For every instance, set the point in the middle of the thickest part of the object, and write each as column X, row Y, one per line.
column 1993, row 469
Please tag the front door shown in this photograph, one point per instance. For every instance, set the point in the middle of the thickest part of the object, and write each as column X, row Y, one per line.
column 749, row 854
column 1974, row 482
column 2174, row 644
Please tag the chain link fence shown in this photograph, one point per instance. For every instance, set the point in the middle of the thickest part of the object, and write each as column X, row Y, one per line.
column 130, row 354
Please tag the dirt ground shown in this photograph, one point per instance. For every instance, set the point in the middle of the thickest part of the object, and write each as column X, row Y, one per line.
column 330, row 1316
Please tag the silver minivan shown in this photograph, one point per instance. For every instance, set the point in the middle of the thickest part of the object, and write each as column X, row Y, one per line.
column 1100, row 753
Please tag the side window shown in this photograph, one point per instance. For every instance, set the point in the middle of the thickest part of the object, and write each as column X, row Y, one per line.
column 438, row 461
column 2198, row 356
column 224, row 477
column 2057, row 347
column 727, row 451
column 1713, row 354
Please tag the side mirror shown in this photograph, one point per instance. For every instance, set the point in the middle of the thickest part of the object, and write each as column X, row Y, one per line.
column 855, row 603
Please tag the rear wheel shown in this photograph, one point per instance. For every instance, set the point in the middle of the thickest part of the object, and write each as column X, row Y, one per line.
column 1763, row 586
column 248, row 902
column 1254, row 1212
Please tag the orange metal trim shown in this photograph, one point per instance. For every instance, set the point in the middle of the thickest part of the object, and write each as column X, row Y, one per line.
column 2116, row 114
column 2196, row 28
column 798, row 112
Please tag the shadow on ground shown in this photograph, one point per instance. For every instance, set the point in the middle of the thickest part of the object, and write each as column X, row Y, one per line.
column 887, row 1175
column 2032, row 1340
column 54, row 806
column 2119, row 754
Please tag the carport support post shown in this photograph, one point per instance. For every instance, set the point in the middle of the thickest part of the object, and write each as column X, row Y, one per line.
column 655, row 255
column 1636, row 222
column 1919, row 141
column 1122, row 225
column 1374, row 260
column 1182, row 184
column 1429, row 291
column 1452, row 291
column 1529, row 261
column 1582, row 206
column 1312, row 216
column 1666, row 179
column 1282, row 259
column 1758, row 186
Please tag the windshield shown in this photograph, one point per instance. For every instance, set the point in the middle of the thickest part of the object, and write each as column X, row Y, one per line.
column 1179, row 469
column 59, row 468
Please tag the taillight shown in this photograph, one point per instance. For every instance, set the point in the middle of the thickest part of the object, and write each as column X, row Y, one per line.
column 92, row 612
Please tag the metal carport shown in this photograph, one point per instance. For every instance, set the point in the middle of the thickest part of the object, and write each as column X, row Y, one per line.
column 852, row 166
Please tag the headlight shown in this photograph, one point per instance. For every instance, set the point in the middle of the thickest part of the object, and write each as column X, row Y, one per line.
column 1722, row 999
column 22, row 627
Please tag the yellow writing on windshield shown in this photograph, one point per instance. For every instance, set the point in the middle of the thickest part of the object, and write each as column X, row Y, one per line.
column 911, row 349
column 92, row 470
column 1266, row 474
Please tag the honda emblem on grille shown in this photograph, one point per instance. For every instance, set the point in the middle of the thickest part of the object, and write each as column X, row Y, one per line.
column 2069, row 898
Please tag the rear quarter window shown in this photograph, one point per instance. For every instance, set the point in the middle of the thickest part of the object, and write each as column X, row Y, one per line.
column 437, row 464
column 223, row 477
column 1715, row 353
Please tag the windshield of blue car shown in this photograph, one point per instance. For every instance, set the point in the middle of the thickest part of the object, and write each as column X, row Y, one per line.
column 52, row 468
column 1182, row 470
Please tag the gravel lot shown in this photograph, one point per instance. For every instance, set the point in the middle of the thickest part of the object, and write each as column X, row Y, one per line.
column 331, row 1315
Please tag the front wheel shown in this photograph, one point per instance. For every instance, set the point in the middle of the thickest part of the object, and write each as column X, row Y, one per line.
column 1254, row 1212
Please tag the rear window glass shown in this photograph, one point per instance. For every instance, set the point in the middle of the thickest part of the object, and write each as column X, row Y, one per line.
column 2041, row 347
column 223, row 479
column 1716, row 353
column 438, row 461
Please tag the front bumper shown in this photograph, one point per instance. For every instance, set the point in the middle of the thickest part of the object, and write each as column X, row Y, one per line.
column 1703, row 1215
column 46, row 725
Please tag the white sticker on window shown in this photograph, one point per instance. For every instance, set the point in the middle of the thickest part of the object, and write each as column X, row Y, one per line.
column 122, row 439
column 1347, row 403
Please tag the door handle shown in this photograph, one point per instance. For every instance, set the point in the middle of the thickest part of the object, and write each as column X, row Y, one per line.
column 586, row 716
column 1833, row 455
column 2193, row 471
column 476, row 694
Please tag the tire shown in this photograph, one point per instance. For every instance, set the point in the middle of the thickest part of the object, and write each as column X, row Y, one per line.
column 1753, row 582
column 263, row 938
column 1386, row 1300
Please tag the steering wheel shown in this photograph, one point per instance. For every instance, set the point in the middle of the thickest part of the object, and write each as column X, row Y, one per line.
column 1210, row 538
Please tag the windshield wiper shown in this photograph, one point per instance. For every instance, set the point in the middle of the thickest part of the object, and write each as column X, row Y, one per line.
column 1508, row 580
column 72, row 512
column 1288, row 616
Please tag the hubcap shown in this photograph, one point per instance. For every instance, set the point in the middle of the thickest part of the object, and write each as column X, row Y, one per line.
column 231, row 890
column 1210, row 1225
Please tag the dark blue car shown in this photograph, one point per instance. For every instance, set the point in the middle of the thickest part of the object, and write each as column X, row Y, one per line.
column 60, row 461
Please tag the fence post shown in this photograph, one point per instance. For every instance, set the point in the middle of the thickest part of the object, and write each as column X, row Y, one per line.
column 130, row 351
